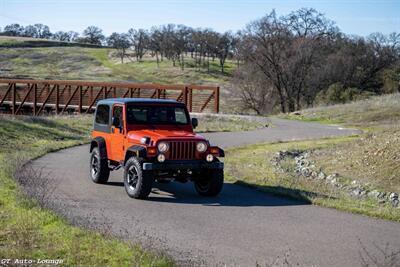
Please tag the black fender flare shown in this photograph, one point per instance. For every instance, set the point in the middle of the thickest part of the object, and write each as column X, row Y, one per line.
column 99, row 142
column 135, row 151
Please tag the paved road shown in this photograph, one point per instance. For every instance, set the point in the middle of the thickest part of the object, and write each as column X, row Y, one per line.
column 241, row 227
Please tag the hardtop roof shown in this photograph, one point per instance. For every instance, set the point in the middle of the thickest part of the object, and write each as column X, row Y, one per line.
column 110, row 101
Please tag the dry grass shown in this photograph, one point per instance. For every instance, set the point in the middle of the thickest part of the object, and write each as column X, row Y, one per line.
column 375, row 111
column 372, row 159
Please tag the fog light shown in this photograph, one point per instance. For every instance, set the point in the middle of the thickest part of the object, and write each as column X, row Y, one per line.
column 210, row 158
column 161, row 158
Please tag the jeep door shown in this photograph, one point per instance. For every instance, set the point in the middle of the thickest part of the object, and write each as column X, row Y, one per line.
column 117, row 135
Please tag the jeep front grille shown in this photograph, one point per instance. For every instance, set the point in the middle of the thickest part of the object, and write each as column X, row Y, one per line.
column 182, row 150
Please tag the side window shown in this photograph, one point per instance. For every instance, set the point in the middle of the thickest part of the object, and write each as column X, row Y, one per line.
column 180, row 116
column 103, row 114
column 117, row 112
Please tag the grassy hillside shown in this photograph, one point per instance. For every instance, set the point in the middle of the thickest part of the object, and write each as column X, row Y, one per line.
column 36, row 58
column 364, row 169
column 29, row 231
column 376, row 111
column 43, row 59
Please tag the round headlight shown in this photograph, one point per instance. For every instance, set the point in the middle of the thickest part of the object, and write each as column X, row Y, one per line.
column 163, row 147
column 201, row 146
column 210, row 158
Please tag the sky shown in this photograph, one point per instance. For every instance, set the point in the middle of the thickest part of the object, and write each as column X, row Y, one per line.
column 359, row 17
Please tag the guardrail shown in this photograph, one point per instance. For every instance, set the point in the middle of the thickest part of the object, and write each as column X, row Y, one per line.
column 36, row 97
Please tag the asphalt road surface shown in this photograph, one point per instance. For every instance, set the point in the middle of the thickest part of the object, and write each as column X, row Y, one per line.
column 240, row 227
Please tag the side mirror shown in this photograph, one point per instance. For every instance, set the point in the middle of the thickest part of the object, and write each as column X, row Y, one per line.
column 195, row 123
column 116, row 122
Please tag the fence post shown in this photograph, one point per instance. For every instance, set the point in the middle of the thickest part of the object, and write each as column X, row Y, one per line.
column 216, row 99
column 80, row 100
column 190, row 99
column 34, row 99
column 14, row 98
column 57, row 98
column 185, row 95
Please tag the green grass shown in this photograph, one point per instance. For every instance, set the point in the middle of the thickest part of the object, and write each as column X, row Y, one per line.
column 80, row 63
column 29, row 231
column 148, row 71
column 250, row 165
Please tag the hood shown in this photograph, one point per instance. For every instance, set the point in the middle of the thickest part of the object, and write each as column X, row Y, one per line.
column 155, row 135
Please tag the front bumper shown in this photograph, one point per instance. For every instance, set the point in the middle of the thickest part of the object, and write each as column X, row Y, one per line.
column 183, row 165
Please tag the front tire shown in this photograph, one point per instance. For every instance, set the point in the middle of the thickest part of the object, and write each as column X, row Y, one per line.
column 137, row 182
column 99, row 171
column 211, row 183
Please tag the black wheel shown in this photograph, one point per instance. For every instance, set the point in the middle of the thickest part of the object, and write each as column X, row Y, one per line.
column 210, row 183
column 137, row 182
column 99, row 171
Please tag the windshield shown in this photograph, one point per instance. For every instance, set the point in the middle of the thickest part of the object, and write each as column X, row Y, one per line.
column 156, row 115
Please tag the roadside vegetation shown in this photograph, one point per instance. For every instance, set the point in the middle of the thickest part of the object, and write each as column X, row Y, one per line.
column 220, row 123
column 365, row 164
column 375, row 112
column 30, row 231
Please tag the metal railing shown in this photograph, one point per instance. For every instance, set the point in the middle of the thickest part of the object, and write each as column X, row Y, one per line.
column 36, row 97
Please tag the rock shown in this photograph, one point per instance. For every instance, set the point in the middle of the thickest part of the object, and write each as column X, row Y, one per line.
column 305, row 172
column 314, row 174
column 354, row 182
column 395, row 203
column 356, row 192
column 334, row 180
column 296, row 113
column 393, row 196
column 321, row 175
column 374, row 193
column 332, row 176
column 381, row 195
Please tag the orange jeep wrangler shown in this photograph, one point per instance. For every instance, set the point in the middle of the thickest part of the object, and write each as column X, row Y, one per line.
column 153, row 140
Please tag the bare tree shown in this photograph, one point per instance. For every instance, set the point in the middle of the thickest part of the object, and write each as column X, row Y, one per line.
column 119, row 42
column 224, row 48
column 256, row 93
column 139, row 39
column 283, row 49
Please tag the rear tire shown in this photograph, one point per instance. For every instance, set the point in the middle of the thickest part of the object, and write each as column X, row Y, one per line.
column 211, row 183
column 99, row 171
column 137, row 182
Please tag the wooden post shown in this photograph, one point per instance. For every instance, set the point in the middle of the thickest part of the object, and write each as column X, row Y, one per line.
column 216, row 100
column 14, row 98
column 34, row 99
column 185, row 95
column 190, row 99
column 80, row 100
column 90, row 94
column 57, row 98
